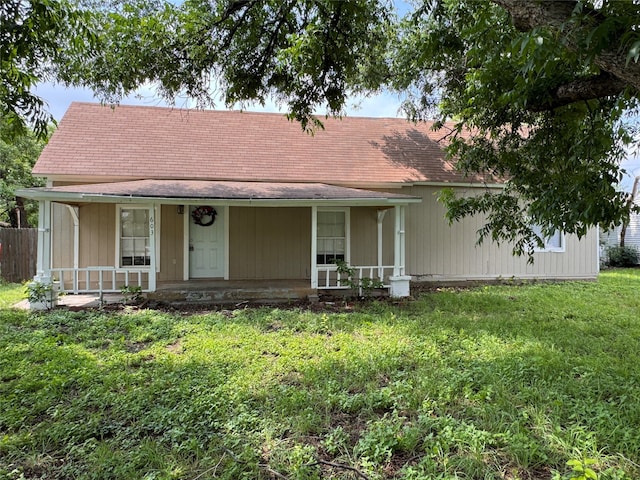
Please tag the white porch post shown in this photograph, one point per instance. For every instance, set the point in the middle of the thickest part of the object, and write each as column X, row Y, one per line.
column 152, row 248
column 399, row 281
column 185, row 239
column 43, row 262
column 381, row 214
column 75, row 215
column 314, row 247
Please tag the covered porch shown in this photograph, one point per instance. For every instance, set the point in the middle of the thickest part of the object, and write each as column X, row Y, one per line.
column 291, row 222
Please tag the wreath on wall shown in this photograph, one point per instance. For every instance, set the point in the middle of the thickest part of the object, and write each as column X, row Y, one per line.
column 201, row 214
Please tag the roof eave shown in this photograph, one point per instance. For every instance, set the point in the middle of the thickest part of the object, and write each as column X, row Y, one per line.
column 67, row 197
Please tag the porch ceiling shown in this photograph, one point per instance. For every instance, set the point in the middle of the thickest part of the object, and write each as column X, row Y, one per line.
column 193, row 191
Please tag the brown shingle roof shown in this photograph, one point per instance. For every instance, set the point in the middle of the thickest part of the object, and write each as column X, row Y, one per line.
column 134, row 142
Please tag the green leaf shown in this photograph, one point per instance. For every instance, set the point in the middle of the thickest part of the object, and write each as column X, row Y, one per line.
column 634, row 53
column 590, row 474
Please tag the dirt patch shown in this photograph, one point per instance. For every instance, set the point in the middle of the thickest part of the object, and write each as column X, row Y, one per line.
column 325, row 303
column 135, row 347
column 175, row 347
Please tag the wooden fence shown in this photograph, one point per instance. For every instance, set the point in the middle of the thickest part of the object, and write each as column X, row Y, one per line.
column 18, row 253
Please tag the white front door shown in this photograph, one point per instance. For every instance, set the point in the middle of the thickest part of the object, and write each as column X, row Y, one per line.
column 206, row 245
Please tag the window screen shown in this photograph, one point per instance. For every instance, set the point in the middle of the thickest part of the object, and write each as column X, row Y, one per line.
column 134, row 237
column 331, row 237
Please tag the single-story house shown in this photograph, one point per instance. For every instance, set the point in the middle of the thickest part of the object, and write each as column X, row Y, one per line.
column 167, row 198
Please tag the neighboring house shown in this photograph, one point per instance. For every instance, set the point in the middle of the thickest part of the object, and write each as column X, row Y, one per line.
column 611, row 238
column 163, row 198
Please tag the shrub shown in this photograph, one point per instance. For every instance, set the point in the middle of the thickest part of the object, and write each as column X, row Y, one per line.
column 42, row 295
column 622, row 256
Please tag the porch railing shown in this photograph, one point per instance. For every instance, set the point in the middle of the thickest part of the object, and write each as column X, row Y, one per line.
column 100, row 279
column 330, row 279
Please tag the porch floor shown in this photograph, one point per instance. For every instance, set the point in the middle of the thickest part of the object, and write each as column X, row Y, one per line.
column 81, row 300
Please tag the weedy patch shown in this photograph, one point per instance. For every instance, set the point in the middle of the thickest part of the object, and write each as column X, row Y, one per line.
column 495, row 382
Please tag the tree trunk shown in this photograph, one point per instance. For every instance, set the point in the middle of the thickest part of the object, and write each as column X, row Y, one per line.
column 554, row 14
column 18, row 215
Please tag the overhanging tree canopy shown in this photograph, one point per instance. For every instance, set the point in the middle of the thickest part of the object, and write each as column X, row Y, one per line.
column 548, row 88
column 38, row 38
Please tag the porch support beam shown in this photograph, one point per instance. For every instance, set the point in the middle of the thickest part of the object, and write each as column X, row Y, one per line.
column 75, row 215
column 314, row 247
column 381, row 214
column 398, row 242
column 399, row 281
column 152, row 247
column 227, row 222
column 186, row 242
column 43, row 262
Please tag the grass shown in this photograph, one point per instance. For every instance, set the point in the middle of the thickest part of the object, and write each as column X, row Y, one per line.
column 499, row 382
column 10, row 294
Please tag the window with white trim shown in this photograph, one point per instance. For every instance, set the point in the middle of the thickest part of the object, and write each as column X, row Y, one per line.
column 331, row 236
column 552, row 243
column 134, row 236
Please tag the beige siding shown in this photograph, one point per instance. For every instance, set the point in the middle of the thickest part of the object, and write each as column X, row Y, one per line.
column 97, row 235
column 269, row 243
column 275, row 243
column 62, row 236
column 436, row 250
column 171, row 244
column 364, row 236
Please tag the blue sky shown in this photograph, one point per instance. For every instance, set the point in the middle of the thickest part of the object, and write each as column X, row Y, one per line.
column 59, row 98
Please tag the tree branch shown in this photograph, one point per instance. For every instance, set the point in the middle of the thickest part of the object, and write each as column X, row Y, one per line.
column 556, row 15
column 603, row 85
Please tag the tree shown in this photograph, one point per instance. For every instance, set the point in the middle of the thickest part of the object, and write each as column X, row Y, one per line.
column 543, row 92
column 546, row 89
column 303, row 53
column 17, row 157
column 38, row 39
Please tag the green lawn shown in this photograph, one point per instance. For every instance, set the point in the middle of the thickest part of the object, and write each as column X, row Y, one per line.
column 501, row 382
column 10, row 294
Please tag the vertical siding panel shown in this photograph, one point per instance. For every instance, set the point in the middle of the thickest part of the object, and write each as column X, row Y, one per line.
column 269, row 243
column 437, row 250
column 364, row 236
column 574, row 257
column 388, row 238
column 418, row 237
column 263, row 242
column 171, row 243
column 97, row 235
column 242, row 242
column 108, row 233
column 62, row 236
